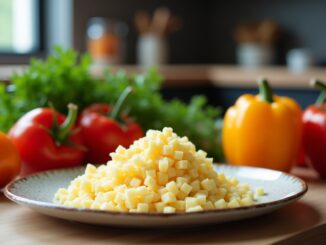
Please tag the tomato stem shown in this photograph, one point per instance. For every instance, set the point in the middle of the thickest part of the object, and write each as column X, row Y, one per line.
column 265, row 91
column 322, row 87
column 66, row 126
column 120, row 103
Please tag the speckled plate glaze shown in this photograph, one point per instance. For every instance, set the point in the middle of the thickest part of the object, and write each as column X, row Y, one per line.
column 37, row 191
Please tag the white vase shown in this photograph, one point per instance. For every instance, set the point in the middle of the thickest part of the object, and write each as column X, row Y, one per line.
column 152, row 50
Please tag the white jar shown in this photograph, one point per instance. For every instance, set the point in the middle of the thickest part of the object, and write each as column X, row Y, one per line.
column 152, row 50
column 254, row 55
column 298, row 60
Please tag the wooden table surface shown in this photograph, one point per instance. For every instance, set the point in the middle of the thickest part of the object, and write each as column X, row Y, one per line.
column 302, row 222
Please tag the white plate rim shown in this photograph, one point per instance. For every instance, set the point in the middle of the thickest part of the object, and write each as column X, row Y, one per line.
column 9, row 193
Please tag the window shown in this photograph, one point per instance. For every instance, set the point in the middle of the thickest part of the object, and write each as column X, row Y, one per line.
column 20, row 30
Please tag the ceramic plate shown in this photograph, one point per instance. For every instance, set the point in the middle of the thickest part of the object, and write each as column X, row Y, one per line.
column 37, row 191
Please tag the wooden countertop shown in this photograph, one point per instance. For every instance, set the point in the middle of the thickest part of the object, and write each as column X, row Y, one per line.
column 218, row 75
column 302, row 222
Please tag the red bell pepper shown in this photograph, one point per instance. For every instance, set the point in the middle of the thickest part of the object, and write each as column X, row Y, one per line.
column 314, row 132
column 104, row 129
column 47, row 139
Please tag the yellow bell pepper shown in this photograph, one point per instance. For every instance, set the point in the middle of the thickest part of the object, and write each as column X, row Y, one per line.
column 262, row 130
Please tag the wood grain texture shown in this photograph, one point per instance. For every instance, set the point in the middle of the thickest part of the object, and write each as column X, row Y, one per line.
column 19, row 225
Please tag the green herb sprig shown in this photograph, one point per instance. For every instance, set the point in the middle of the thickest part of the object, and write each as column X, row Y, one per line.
column 65, row 78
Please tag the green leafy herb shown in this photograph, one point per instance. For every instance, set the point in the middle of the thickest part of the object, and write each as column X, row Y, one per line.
column 61, row 79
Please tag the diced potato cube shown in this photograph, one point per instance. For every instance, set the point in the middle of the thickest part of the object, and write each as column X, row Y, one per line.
column 234, row 182
column 209, row 205
column 163, row 165
column 233, row 204
column 150, row 182
column 151, row 173
column 159, row 206
column 246, row 201
column 259, row 191
column 120, row 150
column 142, row 208
column 201, row 198
column 186, row 188
column 193, row 173
column 220, row 204
column 163, row 178
column 178, row 155
column 180, row 181
column 181, row 195
column 135, row 182
column 167, row 150
column 172, row 187
column 180, row 205
column 201, row 154
column 195, row 209
column 167, row 131
column 168, row 209
column 168, row 197
column 207, row 184
column 172, row 172
column 191, row 202
column 182, row 164
column 90, row 169
column 195, row 185
column 244, row 187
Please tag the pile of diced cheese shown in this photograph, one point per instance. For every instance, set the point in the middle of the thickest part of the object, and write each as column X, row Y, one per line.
column 160, row 172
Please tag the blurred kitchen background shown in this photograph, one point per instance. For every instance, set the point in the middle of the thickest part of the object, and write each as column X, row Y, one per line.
column 200, row 43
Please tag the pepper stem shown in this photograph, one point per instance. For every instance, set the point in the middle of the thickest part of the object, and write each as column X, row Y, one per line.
column 322, row 87
column 265, row 91
column 120, row 103
column 66, row 126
